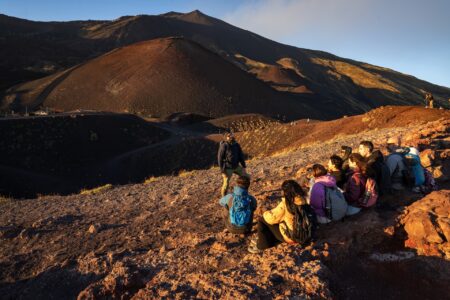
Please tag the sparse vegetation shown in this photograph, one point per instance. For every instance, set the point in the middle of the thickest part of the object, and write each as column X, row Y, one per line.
column 97, row 190
column 4, row 200
column 150, row 180
column 186, row 173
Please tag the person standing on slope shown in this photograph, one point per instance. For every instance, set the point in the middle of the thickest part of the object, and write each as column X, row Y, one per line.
column 231, row 161
column 429, row 100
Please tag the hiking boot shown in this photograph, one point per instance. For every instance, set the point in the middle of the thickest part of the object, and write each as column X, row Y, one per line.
column 417, row 190
column 253, row 249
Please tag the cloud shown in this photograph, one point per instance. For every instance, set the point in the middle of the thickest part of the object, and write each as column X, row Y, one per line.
column 337, row 20
column 281, row 19
column 407, row 35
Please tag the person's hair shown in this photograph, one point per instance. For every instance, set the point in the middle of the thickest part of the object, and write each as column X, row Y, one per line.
column 309, row 172
column 319, row 170
column 336, row 161
column 359, row 161
column 347, row 151
column 368, row 145
column 229, row 134
column 291, row 190
column 243, row 182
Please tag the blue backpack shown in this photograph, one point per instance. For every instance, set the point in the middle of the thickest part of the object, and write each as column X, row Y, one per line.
column 240, row 209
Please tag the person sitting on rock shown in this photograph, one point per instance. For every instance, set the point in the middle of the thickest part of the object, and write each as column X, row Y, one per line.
column 345, row 153
column 231, row 161
column 240, row 206
column 376, row 168
column 335, row 169
column 413, row 161
column 292, row 221
column 395, row 161
column 306, row 181
column 317, row 194
column 355, row 186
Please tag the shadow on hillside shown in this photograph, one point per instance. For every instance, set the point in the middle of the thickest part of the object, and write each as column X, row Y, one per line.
column 166, row 158
column 54, row 283
column 417, row 278
column 186, row 154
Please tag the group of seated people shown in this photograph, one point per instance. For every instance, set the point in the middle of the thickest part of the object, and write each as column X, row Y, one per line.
column 350, row 183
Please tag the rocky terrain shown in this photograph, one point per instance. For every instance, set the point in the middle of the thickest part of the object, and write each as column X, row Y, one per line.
column 164, row 238
column 318, row 84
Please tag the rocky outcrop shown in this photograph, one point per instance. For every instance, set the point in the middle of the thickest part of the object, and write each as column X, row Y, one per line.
column 427, row 225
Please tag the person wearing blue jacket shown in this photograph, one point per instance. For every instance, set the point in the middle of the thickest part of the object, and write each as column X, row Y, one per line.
column 231, row 161
column 240, row 206
column 416, row 167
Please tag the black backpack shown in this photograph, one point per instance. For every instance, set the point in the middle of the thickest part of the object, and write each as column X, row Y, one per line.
column 304, row 224
column 385, row 184
column 408, row 177
column 229, row 158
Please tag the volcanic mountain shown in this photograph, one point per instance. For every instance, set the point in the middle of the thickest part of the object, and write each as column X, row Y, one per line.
column 159, row 77
column 341, row 86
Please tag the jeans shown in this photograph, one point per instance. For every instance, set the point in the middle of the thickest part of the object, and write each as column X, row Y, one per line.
column 226, row 175
column 268, row 235
column 352, row 210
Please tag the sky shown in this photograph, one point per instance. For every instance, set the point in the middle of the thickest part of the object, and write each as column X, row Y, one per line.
column 409, row 36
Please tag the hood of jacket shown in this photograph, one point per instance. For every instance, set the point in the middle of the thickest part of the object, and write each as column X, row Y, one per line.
column 326, row 180
column 375, row 156
column 240, row 191
column 414, row 151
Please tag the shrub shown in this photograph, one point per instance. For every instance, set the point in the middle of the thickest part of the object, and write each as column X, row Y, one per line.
column 96, row 190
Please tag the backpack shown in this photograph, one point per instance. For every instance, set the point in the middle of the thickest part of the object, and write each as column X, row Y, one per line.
column 409, row 180
column 231, row 155
column 304, row 224
column 385, row 184
column 370, row 196
column 240, row 209
column 430, row 184
column 335, row 204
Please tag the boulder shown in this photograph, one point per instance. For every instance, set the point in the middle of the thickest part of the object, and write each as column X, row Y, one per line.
column 427, row 225
column 427, row 157
column 439, row 173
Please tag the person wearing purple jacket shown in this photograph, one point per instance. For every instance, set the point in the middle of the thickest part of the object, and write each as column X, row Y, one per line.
column 317, row 194
column 356, row 184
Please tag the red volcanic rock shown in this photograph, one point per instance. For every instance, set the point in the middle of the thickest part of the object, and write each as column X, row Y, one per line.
column 427, row 157
column 427, row 224
column 123, row 278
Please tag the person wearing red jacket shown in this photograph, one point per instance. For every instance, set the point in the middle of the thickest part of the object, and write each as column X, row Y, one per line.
column 356, row 184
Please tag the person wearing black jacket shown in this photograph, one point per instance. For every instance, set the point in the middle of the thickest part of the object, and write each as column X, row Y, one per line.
column 335, row 169
column 376, row 167
column 231, row 161
column 345, row 153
